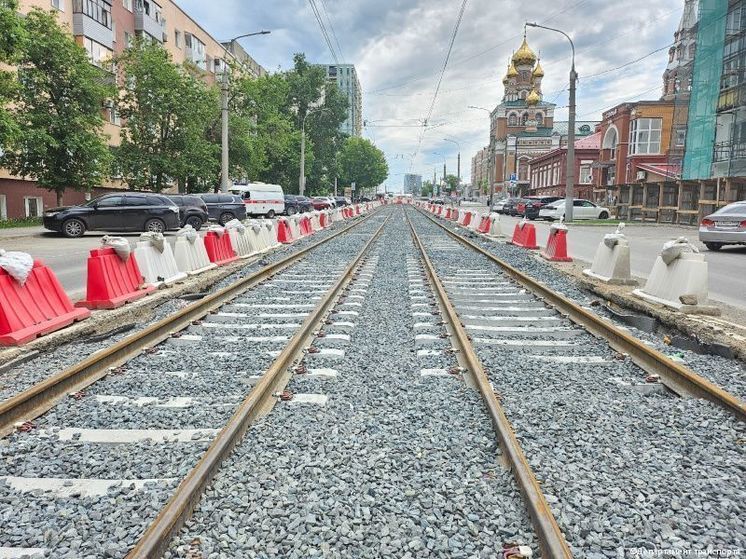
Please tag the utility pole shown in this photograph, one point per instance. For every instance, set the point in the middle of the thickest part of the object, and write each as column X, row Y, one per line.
column 224, row 108
column 570, row 177
column 302, row 177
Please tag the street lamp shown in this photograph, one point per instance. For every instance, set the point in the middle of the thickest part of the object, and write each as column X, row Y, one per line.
column 491, row 172
column 302, row 177
column 570, row 180
column 458, row 161
column 444, row 168
column 224, row 91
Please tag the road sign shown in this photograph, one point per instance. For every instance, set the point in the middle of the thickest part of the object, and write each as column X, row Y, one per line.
column 513, row 177
column 353, row 185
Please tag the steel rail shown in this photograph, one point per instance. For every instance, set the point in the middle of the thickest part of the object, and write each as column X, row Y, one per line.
column 179, row 507
column 550, row 535
column 678, row 378
column 39, row 398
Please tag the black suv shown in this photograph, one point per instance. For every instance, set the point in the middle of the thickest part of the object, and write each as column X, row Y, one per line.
column 115, row 212
column 341, row 201
column 292, row 206
column 534, row 205
column 192, row 210
column 224, row 207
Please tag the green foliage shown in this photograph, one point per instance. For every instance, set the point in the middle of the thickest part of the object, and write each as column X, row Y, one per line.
column 22, row 222
column 427, row 188
column 12, row 38
column 452, row 183
column 362, row 163
column 57, row 109
column 168, row 114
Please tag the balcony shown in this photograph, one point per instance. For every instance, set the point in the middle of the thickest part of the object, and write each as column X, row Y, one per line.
column 146, row 23
column 92, row 19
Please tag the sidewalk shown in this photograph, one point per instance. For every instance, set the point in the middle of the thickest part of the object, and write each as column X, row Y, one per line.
column 20, row 232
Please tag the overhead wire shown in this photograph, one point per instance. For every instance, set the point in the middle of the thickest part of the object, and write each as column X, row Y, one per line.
column 324, row 31
column 334, row 32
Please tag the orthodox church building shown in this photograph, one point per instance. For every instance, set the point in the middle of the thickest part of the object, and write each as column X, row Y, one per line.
column 522, row 126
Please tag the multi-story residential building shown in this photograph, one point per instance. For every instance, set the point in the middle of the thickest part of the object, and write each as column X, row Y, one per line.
column 345, row 76
column 412, row 184
column 549, row 171
column 481, row 171
column 522, row 126
column 106, row 28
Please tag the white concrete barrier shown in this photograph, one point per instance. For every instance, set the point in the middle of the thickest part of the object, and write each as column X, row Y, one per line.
column 269, row 233
column 315, row 222
column 611, row 262
column 257, row 233
column 678, row 280
column 241, row 239
column 294, row 222
column 156, row 261
column 495, row 227
column 475, row 219
column 190, row 253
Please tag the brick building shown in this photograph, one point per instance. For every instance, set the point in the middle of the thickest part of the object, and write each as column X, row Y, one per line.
column 549, row 171
column 105, row 28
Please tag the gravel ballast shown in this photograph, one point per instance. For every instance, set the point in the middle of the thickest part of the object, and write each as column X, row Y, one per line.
column 625, row 466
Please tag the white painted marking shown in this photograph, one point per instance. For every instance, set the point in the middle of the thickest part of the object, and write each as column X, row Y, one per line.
column 517, row 329
column 428, row 352
column 328, row 352
column 273, row 306
column 507, row 309
column 309, row 292
column 524, row 343
column 434, row 373
column 116, row 436
column 351, row 304
column 345, row 337
column 419, row 305
column 348, row 313
column 236, row 326
column 343, row 324
column 316, row 399
column 23, row 552
column 319, row 373
column 188, row 338
column 426, row 337
column 168, row 403
column 361, row 297
column 418, row 297
column 423, row 314
column 274, row 353
column 280, row 315
column 65, row 488
column 587, row 359
column 424, row 325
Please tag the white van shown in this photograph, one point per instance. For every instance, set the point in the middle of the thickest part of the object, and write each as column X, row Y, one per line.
column 261, row 199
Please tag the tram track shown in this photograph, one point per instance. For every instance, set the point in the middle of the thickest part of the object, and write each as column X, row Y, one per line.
column 624, row 464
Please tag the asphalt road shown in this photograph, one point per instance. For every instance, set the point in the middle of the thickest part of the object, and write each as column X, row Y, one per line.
column 67, row 257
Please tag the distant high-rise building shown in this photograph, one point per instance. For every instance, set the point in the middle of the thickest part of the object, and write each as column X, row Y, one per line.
column 413, row 184
column 345, row 76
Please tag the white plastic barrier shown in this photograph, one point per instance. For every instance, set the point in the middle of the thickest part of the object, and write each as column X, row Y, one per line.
column 294, row 222
column 679, row 278
column 495, row 229
column 190, row 253
column 256, row 232
column 475, row 219
column 611, row 262
column 156, row 261
column 337, row 215
column 270, row 233
column 315, row 222
column 240, row 239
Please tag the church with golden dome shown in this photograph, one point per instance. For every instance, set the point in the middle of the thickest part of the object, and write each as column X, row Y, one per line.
column 522, row 126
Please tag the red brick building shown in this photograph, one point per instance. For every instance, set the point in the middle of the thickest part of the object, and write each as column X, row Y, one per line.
column 549, row 171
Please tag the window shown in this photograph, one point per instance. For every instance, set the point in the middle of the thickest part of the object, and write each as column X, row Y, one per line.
column 98, row 54
column 110, row 201
column 127, row 40
column 586, row 174
column 524, row 119
column 611, row 139
column 59, row 5
column 177, row 38
column 127, row 4
column 3, row 207
column 539, row 119
column 680, row 137
column 513, row 119
column 113, row 115
column 135, row 201
column 97, row 10
column 611, row 176
column 645, row 136
column 34, row 206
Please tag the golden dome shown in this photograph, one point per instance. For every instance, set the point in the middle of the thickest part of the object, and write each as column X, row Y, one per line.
column 512, row 72
column 524, row 56
column 538, row 71
column 533, row 98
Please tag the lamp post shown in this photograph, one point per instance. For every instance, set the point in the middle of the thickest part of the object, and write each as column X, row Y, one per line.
column 224, row 95
column 491, row 168
column 458, row 161
column 444, row 167
column 302, row 177
column 570, row 165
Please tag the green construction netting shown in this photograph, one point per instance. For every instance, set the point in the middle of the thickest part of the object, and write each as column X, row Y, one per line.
column 708, row 66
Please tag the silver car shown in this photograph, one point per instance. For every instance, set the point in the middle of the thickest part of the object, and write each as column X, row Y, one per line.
column 727, row 226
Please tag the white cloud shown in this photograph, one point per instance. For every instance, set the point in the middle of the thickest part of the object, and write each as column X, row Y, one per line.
column 398, row 47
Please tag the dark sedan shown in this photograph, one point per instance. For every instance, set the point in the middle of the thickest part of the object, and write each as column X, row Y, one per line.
column 224, row 207
column 292, row 206
column 304, row 204
column 509, row 208
column 127, row 212
column 192, row 210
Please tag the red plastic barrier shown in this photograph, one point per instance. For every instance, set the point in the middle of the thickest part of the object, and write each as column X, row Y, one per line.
column 305, row 226
column 38, row 307
column 439, row 211
column 556, row 250
column 525, row 236
column 220, row 248
column 357, row 209
column 484, row 225
column 322, row 220
column 284, row 234
column 467, row 219
column 112, row 282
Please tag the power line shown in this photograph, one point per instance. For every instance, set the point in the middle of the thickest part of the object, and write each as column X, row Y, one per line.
column 440, row 79
column 334, row 33
column 324, row 32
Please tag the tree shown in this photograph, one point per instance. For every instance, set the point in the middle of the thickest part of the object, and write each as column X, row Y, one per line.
column 427, row 188
column 452, row 183
column 168, row 114
column 12, row 37
column 57, row 109
column 362, row 163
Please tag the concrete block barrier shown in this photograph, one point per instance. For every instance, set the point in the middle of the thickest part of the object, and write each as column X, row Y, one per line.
column 611, row 261
column 190, row 252
column 156, row 260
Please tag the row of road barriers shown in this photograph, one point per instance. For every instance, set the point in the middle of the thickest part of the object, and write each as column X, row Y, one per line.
column 678, row 279
column 117, row 274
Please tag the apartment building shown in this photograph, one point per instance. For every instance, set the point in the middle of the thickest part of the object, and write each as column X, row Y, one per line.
column 106, row 28
column 345, row 76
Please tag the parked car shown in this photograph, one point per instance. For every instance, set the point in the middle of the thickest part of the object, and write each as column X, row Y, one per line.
column 192, row 210
column 321, row 203
column 582, row 209
column 438, row 201
column 261, row 199
column 115, row 212
column 533, row 206
column 304, row 203
column 509, row 208
column 292, row 206
column 498, row 206
column 224, row 207
column 727, row 226
column 342, row 201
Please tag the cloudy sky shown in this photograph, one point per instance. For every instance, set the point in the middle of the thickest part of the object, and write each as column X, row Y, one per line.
column 399, row 47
